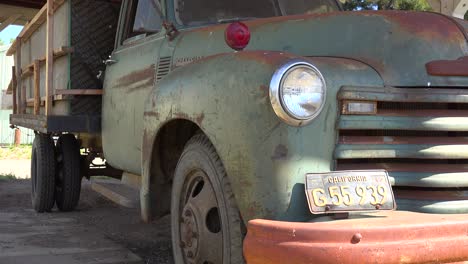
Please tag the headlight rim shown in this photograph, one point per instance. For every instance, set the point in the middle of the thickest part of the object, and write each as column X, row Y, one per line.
column 276, row 98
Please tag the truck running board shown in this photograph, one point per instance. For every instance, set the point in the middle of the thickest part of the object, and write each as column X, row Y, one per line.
column 117, row 192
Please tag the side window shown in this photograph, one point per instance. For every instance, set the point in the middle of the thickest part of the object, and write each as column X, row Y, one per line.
column 143, row 18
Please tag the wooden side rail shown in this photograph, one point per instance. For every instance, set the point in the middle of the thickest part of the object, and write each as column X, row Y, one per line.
column 61, row 94
column 29, row 69
column 39, row 19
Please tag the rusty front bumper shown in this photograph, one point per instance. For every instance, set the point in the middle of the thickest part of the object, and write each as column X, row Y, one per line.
column 392, row 237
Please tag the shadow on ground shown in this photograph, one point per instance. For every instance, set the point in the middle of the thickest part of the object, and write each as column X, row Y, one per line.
column 98, row 232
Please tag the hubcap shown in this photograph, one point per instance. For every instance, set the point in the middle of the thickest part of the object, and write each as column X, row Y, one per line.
column 201, row 238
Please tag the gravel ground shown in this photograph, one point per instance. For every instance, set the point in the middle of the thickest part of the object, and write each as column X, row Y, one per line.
column 97, row 220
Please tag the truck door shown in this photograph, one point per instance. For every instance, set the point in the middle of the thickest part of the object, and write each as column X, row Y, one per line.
column 130, row 75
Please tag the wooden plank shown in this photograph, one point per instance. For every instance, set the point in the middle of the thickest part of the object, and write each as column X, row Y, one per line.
column 18, row 74
column 39, row 19
column 60, row 52
column 37, row 87
column 36, row 123
column 27, row 71
column 10, row 20
column 13, row 81
column 31, row 101
column 49, row 57
column 79, row 92
column 57, row 124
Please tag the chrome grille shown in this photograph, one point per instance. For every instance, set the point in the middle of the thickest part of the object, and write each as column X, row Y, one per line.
column 419, row 135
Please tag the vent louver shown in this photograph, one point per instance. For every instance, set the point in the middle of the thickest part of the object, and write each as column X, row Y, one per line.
column 164, row 67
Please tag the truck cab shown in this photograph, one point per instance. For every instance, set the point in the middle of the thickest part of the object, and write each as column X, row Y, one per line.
column 291, row 131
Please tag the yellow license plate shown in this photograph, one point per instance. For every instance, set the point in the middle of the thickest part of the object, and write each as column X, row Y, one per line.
column 349, row 191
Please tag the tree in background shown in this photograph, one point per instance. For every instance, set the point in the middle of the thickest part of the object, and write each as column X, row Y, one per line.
column 419, row 5
column 2, row 42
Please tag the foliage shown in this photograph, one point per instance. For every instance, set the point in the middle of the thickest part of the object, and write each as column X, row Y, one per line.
column 466, row 16
column 6, row 177
column 16, row 152
column 418, row 5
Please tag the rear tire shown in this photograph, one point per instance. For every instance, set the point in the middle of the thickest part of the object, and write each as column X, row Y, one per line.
column 205, row 221
column 43, row 173
column 68, row 176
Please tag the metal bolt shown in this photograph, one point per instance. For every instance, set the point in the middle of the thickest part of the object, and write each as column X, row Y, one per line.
column 377, row 207
column 327, row 208
column 356, row 238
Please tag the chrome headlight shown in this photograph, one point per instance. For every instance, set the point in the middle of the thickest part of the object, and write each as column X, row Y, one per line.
column 297, row 92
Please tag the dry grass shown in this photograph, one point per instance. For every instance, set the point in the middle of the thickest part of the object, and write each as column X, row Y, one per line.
column 15, row 153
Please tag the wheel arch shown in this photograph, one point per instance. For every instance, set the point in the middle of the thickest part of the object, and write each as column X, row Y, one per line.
column 163, row 152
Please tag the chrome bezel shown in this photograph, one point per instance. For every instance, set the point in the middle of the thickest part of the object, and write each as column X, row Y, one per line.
column 277, row 100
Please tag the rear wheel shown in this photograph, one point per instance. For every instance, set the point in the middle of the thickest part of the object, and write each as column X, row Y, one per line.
column 206, row 225
column 68, row 176
column 43, row 173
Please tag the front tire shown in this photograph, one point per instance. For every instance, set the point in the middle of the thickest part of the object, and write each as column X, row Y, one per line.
column 43, row 173
column 68, row 178
column 205, row 221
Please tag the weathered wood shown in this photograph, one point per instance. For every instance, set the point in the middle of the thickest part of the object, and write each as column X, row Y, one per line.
column 18, row 74
column 27, row 71
column 62, row 51
column 57, row 124
column 39, row 19
column 37, row 87
column 49, row 57
column 13, row 88
column 23, row 98
column 10, row 20
column 79, row 92
column 31, row 101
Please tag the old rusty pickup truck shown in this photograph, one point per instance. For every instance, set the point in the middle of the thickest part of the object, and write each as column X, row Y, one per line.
column 272, row 131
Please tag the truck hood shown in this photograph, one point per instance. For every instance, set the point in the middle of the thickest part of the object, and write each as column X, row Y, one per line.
column 397, row 44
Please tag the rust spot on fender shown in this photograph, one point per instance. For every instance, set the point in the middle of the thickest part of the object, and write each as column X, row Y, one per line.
column 182, row 115
column 448, row 67
column 265, row 91
column 272, row 58
column 137, row 80
column 281, row 152
column 152, row 114
column 199, row 119
column 424, row 24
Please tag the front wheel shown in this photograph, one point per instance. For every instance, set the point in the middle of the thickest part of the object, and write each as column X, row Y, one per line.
column 205, row 220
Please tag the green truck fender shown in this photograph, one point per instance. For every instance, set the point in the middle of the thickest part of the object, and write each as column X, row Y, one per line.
column 226, row 97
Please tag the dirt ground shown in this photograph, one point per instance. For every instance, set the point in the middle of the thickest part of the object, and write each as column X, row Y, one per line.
column 21, row 169
column 97, row 228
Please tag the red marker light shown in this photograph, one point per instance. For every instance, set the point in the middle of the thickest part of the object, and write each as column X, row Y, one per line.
column 237, row 35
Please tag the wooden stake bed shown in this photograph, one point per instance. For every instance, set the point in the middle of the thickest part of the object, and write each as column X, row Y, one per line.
column 57, row 58
column 58, row 124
